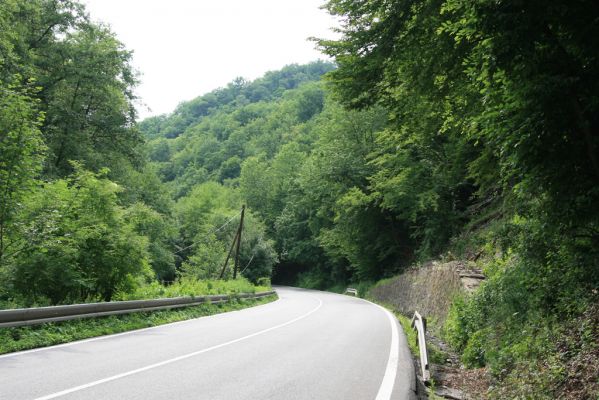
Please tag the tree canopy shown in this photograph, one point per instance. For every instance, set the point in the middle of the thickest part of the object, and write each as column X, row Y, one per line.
column 442, row 128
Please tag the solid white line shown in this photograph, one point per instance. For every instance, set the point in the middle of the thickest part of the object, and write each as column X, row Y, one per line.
column 172, row 360
column 386, row 388
column 93, row 339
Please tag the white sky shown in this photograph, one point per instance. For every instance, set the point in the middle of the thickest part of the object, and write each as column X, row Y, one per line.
column 185, row 48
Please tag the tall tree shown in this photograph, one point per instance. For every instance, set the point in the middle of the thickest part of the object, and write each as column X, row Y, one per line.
column 517, row 80
column 21, row 155
column 85, row 78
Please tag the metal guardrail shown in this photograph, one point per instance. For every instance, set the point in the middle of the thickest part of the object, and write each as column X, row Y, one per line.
column 40, row 315
column 419, row 324
column 352, row 291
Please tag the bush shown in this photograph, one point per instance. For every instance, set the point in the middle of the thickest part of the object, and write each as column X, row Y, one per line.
column 312, row 279
column 363, row 287
column 538, row 287
column 75, row 243
column 190, row 287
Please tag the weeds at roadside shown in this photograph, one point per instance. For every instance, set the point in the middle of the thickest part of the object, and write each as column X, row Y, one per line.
column 24, row 338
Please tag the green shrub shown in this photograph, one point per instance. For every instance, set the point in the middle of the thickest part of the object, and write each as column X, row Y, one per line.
column 191, row 287
column 363, row 287
column 78, row 246
column 28, row 337
column 264, row 282
column 312, row 279
column 474, row 353
column 520, row 321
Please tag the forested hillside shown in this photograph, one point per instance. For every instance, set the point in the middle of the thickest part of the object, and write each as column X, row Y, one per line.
column 447, row 129
column 293, row 154
column 444, row 129
column 83, row 215
column 67, row 230
column 493, row 141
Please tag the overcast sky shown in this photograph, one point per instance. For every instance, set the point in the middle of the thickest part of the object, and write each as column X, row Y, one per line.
column 185, row 48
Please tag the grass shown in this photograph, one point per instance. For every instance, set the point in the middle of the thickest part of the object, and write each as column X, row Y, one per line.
column 183, row 287
column 411, row 334
column 435, row 355
column 24, row 338
column 191, row 287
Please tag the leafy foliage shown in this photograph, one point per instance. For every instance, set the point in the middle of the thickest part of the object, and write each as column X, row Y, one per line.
column 84, row 77
column 493, row 106
column 441, row 119
column 207, row 243
column 76, row 244
column 191, row 287
column 66, row 107
column 22, row 148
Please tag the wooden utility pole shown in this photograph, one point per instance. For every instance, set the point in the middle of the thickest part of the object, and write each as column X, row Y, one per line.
column 222, row 271
column 238, row 242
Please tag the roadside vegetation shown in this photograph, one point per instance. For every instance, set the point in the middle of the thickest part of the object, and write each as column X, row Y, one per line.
column 84, row 214
column 444, row 131
column 194, row 287
column 30, row 337
column 180, row 288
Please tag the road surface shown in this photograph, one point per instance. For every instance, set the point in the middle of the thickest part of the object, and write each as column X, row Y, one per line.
column 306, row 345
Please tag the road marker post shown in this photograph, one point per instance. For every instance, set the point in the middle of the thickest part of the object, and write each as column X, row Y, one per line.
column 419, row 324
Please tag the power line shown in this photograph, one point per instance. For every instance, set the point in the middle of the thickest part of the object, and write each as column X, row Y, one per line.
column 209, row 233
column 248, row 264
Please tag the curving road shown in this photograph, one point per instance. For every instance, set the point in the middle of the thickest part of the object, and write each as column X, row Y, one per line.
column 306, row 345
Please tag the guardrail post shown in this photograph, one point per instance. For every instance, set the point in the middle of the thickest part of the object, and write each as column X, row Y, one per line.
column 419, row 324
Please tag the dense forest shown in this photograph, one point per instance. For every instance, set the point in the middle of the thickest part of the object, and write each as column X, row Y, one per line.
column 442, row 127
column 84, row 215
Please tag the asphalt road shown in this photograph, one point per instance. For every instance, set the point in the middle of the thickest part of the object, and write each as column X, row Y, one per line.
column 306, row 345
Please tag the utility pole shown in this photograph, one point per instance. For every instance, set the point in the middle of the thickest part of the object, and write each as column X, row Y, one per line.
column 222, row 272
column 238, row 242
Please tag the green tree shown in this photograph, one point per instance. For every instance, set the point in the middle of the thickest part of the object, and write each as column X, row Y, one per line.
column 75, row 243
column 494, row 108
column 85, row 80
column 257, row 253
column 21, row 154
column 89, row 103
column 160, row 232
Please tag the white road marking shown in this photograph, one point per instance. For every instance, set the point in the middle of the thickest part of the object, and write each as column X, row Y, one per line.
column 18, row 353
column 172, row 360
column 386, row 388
